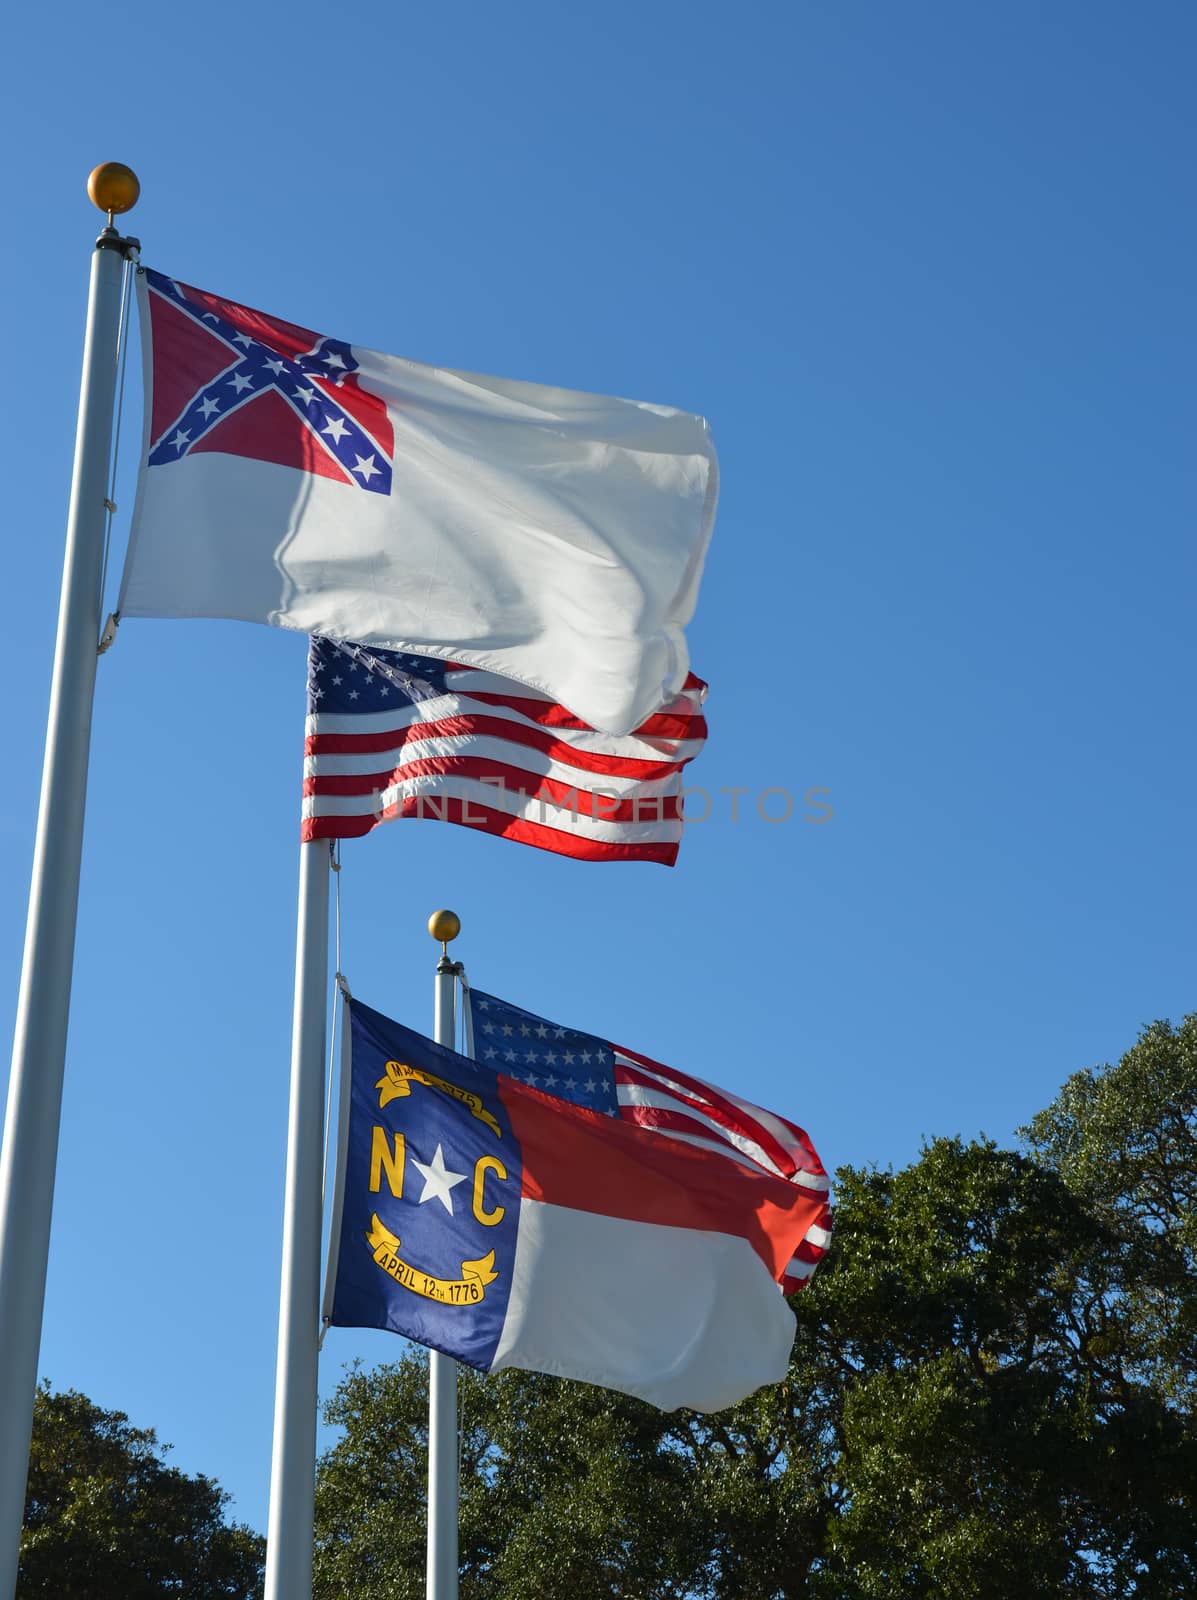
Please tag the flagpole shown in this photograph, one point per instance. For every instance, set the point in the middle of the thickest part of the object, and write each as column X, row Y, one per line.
column 30, row 1150
column 293, row 1464
column 442, row 1564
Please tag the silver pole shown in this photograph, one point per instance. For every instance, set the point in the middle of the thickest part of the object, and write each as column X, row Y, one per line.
column 442, row 1567
column 30, row 1149
column 293, row 1466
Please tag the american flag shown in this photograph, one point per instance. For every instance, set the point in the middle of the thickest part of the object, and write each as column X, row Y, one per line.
column 619, row 1082
column 394, row 735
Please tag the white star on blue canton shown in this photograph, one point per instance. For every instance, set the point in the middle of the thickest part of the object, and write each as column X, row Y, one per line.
column 239, row 381
column 336, row 429
column 208, row 407
column 180, row 439
column 366, row 467
column 306, row 395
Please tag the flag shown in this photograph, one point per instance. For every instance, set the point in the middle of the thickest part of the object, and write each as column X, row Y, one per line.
column 609, row 1078
column 392, row 735
column 549, row 536
column 507, row 1228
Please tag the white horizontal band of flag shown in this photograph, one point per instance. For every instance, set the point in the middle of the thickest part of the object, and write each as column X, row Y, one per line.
column 482, row 747
column 492, row 796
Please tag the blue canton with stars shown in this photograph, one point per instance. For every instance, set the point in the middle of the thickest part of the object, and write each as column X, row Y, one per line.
column 561, row 1061
column 254, row 368
column 349, row 678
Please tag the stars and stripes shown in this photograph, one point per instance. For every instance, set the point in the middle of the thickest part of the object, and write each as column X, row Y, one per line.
column 619, row 1082
column 392, row 735
column 237, row 359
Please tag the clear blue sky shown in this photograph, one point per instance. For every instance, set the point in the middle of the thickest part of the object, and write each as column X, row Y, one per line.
column 928, row 269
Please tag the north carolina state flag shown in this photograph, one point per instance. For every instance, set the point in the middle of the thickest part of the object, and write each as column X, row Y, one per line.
column 508, row 1228
column 552, row 537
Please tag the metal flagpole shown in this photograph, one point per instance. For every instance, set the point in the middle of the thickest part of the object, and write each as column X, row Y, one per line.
column 30, row 1149
column 442, row 1565
column 293, row 1465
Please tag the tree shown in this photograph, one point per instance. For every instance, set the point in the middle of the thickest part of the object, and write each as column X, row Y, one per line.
column 1124, row 1138
column 989, row 1394
column 105, row 1517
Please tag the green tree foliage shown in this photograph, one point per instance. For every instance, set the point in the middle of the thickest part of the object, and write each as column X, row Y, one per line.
column 989, row 1396
column 105, row 1519
column 1124, row 1138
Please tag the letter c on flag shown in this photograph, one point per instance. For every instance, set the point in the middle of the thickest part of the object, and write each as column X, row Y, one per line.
column 483, row 1165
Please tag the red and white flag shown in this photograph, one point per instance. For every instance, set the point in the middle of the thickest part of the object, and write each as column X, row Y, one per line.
column 552, row 537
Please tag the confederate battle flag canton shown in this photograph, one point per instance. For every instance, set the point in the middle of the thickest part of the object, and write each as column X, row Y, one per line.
column 235, row 381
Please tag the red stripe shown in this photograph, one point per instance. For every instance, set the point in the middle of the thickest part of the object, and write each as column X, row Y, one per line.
column 708, row 1099
column 484, row 820
column 467, row 726
column 702, row 1090
column 589, row 1162
column 666, row 724
column 515, row 780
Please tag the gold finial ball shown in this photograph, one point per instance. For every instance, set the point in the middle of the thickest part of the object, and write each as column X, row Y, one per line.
column 113, row 187
column 444, row 925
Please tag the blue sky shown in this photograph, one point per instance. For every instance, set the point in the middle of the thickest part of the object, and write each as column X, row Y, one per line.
column 927, row 268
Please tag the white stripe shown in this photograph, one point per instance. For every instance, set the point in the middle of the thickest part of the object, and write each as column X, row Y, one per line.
column 473, row 791
column 817, row 1236
column 485, row 748
column 772, row 1124
column 800, row 1269
column 637, row 1095
column 629, row 748
column 661, row 1075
